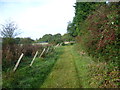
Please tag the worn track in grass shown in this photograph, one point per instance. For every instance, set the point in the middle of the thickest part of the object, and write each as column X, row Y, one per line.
column 64, row 73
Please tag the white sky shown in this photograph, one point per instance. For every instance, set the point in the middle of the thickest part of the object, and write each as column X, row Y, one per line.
column 36, row 18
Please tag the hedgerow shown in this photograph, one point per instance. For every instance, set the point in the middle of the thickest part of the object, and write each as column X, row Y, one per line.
column 100, row 33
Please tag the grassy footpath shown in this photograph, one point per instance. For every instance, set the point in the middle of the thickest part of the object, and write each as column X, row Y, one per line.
column 70, row 71
column 64, row 73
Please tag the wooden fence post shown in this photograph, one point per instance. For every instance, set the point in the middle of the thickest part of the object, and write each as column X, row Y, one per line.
column 18, row 62
column 42, row 52
column 47, row 50
column 34, row 58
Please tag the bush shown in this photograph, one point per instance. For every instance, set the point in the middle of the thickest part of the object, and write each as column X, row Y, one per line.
column 100, row 38
column 100, row 34
column 11, row 52
column 25, row 76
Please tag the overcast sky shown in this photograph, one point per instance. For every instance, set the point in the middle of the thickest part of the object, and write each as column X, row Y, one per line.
column 38, row 17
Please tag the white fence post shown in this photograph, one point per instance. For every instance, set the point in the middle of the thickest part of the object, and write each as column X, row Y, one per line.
column 18, row 62
column 34, row 58
column 42, row 52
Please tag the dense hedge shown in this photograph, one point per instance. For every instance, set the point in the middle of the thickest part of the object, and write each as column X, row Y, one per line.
column 100, row 33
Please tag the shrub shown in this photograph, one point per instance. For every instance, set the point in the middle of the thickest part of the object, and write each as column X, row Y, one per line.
column 100, row 33
column 11, row 52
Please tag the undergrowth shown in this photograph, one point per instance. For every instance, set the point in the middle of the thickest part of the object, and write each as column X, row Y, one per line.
column 99, row 38
column 95, row 73
column 30, row 77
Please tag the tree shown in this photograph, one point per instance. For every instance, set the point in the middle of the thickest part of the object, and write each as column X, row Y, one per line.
column 56, row 38
column 46, row 38
column 17, row 40
column 67, row 37
column 9, row 30
column 26, row 40
column 82, row 10
column 71, row 28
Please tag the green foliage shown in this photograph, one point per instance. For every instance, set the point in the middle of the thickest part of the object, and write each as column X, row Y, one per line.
column 46, row 38
column 17, row 40
column 56, row 39
column 11, row 41
column 52, row 39
column 8, row 41
column 99, row 35
column 101, row 40
column 11, row 53
column 71, row 29
column 24, row 40
column 11, row 50
column 8, row 53
column 30, row 77
column 95, row 74
column 82, row 10
column 96, row 25
column 67, row 37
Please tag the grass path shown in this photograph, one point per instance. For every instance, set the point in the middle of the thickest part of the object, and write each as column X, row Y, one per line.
column 64, row 73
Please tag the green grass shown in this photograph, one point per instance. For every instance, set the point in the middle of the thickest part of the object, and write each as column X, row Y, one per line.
column 81, row 63
column 70, row 71
column 76, row 70
column 64, row 73
column 95, row 74
column 65, row 68
column 30, row 77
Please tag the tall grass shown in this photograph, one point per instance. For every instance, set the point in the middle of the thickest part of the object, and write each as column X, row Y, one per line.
column 30, row 77
column 95, row 73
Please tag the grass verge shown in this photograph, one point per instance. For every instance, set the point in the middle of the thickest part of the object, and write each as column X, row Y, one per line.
column 81, row 62
column 30, row 77
column 95, row 74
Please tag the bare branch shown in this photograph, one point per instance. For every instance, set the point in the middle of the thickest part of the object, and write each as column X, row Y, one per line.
column 9, row 30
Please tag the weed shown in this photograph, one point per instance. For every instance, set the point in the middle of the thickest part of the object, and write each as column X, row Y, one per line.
column 30, row 77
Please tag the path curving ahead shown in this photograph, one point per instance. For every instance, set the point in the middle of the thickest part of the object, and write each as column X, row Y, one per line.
column 64, row 73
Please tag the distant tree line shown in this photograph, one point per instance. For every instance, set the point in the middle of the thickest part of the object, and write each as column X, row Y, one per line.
column 55, row 39
column 13, row 46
